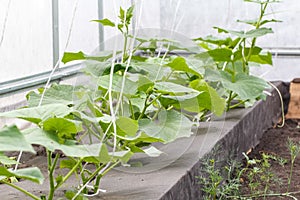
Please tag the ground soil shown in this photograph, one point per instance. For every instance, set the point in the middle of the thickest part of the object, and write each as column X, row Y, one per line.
column 274, row 142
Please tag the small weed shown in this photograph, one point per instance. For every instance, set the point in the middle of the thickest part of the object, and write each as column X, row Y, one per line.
column 251, row 180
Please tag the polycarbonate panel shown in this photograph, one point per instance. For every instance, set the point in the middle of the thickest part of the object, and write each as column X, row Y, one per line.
column 84, row 34
column 195, row 18
column 27, row 42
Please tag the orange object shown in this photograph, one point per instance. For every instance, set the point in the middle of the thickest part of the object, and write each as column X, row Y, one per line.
column 294, row 104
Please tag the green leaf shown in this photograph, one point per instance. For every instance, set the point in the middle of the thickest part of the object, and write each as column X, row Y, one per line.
column 254, row 33
column 209, row 98
column 152, row 151
column 246, row 86
column 70, row 194
column 70, row 56
column 197, row 65
column 216, row 41
column 105, row 22
column 222, row 54
column 173, row 88
column 96, row 69
column 69, row 163
column 57, row 93
column 102, row 157
column 65, row 128
column 105, row 156
column 124, row 156
column 254, row 22
column 130, row 87
column 39, row 113
column 11, row 139
column 127, row 126
column 262, row 59
column 144, row 83
column 52, row 142
column 179, row 64
column 33, row 174
column 169, row 126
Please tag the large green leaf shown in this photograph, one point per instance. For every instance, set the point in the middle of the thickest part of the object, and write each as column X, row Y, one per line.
column 33, row 174
column 216, row 41
column 70, row 56
column 209, row 98
column 39, row 113
column 130, row 87
column 169, row 126
column 101, row 56
column 222, row 54
column 246, row 86
column 173, row 88
column 144, row 83
column 262, row 58
column 254, row 22
column 105, row 156
column 102, row 157
column 180, row 64
column 52, row 142
column 254, row 33
column 96, row 69
column 57, row 93
column 124, row 156
column 127, row 126
column 11, row 139
column 65, row 128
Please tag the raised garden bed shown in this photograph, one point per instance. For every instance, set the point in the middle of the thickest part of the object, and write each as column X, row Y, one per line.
column 173, row 175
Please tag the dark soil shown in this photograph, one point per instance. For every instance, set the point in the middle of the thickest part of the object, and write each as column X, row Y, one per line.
column 274, row 142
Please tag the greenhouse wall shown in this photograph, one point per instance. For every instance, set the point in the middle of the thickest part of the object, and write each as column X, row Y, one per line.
column 27, row 27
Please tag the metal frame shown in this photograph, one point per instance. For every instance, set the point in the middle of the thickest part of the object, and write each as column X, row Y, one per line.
column 100, row 27
column 16, row 85
column 55, row 31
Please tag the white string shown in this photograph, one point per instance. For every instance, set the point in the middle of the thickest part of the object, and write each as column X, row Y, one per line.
column 127, row 66
column 113, row 118
column 172, row 34
column 53, row 70
column 4, row 23
column 58, row 61
column 113, row 113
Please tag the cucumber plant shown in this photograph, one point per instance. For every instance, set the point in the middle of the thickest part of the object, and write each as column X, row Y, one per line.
column 129, row 104
column 229, row 59
column 134, row 98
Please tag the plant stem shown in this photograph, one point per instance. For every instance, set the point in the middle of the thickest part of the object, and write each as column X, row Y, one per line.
column 131, row 109
column 65, row 178
column 238, row 104
column 94, row 174
column 290, row 176
column 229, row 100
column 51, row 168
column 144, row 108
column 124, row 56
column 97, row 183
column 258, row 24
column 20, row 189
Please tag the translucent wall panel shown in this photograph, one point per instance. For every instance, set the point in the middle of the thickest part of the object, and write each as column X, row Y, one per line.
column 84, row 35
column 195, row 18
column 27, row 42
